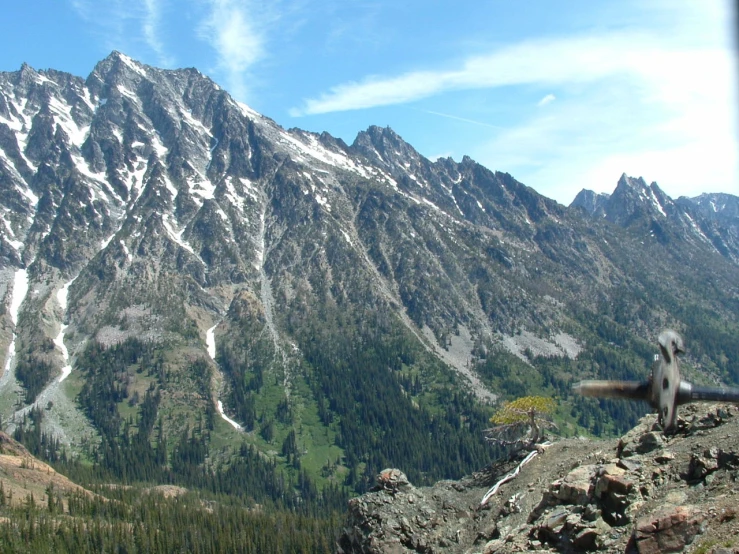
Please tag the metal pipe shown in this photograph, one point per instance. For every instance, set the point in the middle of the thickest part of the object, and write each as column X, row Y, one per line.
column 614, row 389
column 696, row 393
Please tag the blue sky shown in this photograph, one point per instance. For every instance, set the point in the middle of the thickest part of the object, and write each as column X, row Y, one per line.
column 562, row 94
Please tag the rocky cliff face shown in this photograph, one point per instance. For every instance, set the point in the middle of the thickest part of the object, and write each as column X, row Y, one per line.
column 645, row 492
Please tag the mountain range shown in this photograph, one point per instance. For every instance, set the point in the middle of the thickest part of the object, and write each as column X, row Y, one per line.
column 177, row 267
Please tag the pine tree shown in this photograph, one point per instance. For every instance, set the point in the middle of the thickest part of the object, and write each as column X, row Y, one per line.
column 519, row 423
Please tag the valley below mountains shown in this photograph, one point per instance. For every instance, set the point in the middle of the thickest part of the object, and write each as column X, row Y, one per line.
column 192, row 295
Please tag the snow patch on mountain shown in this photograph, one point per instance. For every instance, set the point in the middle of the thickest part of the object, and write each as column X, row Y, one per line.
column 14, row 124
column 188, row 118
column 176, row 236
column 434, row 206
column 159, row 148
column 59, row 342
column 20, row 290
column 234, row 198
column 62, row 296
column 132, row 64
column 226, row 418
column 247, row 111
column 18, row 182
column 656, row 203
column 457, row 205
column 8, row 360
column 210, row 341
column 128, row 94
column 18, row 295
column 134, row 180
column 82, row 167
column 125, row 251
column 106, row 242
column 16, row 244
column 201, row 188
column 63, row 117
column 696, row 229
column 10, row 164
column 317, row 151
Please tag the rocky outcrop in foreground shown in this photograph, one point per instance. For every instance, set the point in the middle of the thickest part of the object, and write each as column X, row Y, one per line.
column 645, row 492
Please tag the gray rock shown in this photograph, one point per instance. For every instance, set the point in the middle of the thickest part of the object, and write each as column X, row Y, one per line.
column 650, row 441
column 577, row 486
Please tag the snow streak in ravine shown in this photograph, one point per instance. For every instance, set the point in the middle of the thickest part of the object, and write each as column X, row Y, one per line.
column 210, row 343
column 20, row 289
column 61, row 297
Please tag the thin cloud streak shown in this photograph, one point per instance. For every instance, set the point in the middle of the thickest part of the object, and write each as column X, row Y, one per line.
column 151, row 23
column 457, row 118
column 235, row 36
column 548, row 99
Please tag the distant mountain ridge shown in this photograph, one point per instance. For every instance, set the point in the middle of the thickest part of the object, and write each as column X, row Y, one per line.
column 169, row 256
column 710, row 218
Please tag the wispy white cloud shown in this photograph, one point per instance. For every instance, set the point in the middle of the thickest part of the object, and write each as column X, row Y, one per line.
column 121, row 25
column 234, row 30
column 678, row 127
column 542, row 62
column 151, row 27
column 548, row 99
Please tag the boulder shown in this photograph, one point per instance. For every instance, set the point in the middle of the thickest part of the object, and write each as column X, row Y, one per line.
column 669, row 530
column 577, row 486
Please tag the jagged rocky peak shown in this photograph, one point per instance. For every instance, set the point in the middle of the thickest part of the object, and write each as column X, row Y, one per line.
column 709, row 220
column 635, row 183
column 650, row 193
column 332, row 143
column 632, row 201
column 385, row 147
column 117, row 61
column 592, row 202
column 628, row 199
column 110, row 73
column 26, row 76
column 120, row 78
